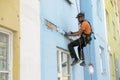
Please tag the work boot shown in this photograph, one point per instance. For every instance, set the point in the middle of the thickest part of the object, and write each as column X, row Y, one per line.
column 82, row 63
column 75, row 62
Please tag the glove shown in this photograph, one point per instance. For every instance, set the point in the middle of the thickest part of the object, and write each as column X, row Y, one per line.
column 68, row 34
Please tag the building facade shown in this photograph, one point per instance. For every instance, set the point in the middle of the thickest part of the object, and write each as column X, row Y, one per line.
column 118, row 8
column 9, row 40
column 118, row 11
column 103, row 52
column 99, row 55
column 30, row 40
column 55, row 57
column 113, row 31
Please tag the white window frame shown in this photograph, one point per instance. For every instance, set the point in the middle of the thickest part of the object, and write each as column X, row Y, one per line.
column 59, row 51
column 10, row 48
column 101, row 53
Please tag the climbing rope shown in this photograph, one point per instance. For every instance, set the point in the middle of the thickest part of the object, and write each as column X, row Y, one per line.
column 77, row 6
column 89, row 53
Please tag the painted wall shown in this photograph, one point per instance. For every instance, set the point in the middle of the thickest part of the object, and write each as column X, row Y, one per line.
column 89, row 53
column 30, row 40
column 95, row 15
column 113, row 36
column 118, row 8
column 101, row 40
column 9, row 15
column 60, row 13
column 9, row 19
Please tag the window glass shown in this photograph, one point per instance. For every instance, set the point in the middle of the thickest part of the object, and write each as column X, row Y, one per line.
column 4, row 56
column 3, row 51
column 4, row 76
column 63, row 65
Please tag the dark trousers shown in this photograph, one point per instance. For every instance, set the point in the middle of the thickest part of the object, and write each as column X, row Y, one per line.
column 80, row 43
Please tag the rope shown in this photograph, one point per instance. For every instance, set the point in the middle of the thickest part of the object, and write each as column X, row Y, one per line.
column 89, row 53
column 77, row 6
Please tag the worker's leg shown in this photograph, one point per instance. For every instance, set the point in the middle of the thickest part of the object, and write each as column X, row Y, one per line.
column 72, row 51
column 80, row 50
column 71, row 48
column 82, row 54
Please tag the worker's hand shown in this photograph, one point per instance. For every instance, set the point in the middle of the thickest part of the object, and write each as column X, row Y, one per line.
column 68, row 34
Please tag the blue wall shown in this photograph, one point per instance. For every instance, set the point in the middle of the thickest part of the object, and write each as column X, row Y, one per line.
column 63, row 15
column 99, row 26
column 86, row 7
column 91, row 10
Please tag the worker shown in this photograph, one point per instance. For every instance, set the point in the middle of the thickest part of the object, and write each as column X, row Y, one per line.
column 85, row 37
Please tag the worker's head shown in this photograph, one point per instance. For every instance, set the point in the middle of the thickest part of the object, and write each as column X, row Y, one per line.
column 80, row 17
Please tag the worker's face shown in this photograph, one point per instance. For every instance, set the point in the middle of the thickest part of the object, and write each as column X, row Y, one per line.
column 80, row 19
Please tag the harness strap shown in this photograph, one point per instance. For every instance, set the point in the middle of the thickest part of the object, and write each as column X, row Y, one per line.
column 86, row 38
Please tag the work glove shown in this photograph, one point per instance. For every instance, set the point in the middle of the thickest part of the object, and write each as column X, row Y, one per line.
column 68, row 34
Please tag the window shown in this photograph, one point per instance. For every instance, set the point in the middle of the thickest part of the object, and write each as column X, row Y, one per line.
column 102, row 59
column 63, row 65
column 5, row 55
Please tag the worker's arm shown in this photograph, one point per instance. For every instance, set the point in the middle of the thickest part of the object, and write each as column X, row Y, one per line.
column 82, row 28
column 76, row 33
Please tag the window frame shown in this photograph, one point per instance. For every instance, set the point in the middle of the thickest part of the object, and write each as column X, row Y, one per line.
column 102, row 58
column 59, row 52
column 10, row 52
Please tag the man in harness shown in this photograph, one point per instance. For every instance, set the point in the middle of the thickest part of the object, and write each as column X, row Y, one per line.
column 85, row 37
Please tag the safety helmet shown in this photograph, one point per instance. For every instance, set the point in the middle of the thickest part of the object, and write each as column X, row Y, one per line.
column 80, row 15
